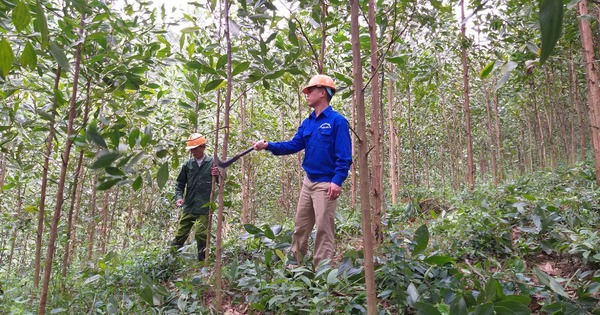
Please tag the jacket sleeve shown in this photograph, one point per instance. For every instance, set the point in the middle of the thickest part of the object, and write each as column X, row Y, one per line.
column 181, row 182
column 343, row 152
column 291, row 146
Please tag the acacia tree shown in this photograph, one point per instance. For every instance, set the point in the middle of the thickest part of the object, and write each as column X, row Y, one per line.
column 365, row 203
column 593, row 90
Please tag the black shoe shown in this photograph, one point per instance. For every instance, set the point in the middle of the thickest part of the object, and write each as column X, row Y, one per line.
column 201, row 251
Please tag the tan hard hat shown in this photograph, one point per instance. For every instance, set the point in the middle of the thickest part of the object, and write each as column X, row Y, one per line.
column 195, row 140
column 320, row 80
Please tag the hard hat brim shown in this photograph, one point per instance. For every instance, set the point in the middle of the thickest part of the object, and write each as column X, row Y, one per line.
column 192, row 147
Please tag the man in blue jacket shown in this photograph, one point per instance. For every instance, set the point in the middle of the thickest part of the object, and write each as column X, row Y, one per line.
column 325, row 138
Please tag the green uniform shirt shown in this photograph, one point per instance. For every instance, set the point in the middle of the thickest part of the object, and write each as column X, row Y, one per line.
column 194, row 182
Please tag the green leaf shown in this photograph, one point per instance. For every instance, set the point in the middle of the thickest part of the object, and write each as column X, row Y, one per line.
column 551, row 19
column 21, row 16
column 114, row 171
column 484, row 309
column 240, row 68
column 107, row 184
column 41, row 23
column 459, row 307
column 146, row 295
column 60, row 56
column 29, row 57
column 104, row 160
column 424, row 308
column 332, row 277
column 6, row 57
column 493, row 290
column 162, row 153
column 137, row 183
column 413, row 294
column 163, row 175
column 252, row 229
column 485, row 72
column 268, row 232
column 439, row 260
column 420, row 240
column 93, row 135
column 133, row 137
column 292, row 32
column 214, row 84
column 510, row 306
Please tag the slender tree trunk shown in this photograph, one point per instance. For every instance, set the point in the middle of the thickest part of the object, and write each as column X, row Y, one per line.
column 299, row 156
column 63, row 176
column 531, row 137
column 129, row 221
column 471, row 171
column 376, row 179
column 104, row 229
column 550, row 104
column 540, row 129
column 75, row 196
column 491, row 134
column 16, row 228
column 218, row 278
column 111, row 221
column 245, row 181
column 353, row 173
column 577, row 103
column 92, row 224
column 363, row 162
column 411, row 136
column 392, row 133
column 499, row 155
column 592, row 83
column 47, row 154
column 3, row 177
column 283, row 182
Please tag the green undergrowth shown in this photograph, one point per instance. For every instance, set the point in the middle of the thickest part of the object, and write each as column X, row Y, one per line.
column 530, row 246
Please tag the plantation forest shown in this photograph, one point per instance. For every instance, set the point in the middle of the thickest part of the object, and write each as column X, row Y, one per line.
column 474, row 187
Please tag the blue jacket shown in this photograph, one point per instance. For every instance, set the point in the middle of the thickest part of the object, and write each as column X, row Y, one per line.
column 327, row 146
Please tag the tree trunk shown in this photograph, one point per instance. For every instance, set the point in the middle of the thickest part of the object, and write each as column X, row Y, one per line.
column 353, row 174
column 16, row 228
column 103, row 231
column 539, row 130
column 76, row 195
column 491, row 134
column 47, row 154
column 392, row 133
column 3, row 177
column 129, row 221
column 499, row 155
column 63, row 176
column 593, row 92
column 550, row 104
column 575, row 92
column 363, row 162
column 465, row 66
column 244, row 171
column 92, row 224
column 376, row 179
column 411, row 136
column 218, row 278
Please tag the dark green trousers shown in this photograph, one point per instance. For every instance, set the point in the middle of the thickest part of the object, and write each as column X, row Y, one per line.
column 186, row 223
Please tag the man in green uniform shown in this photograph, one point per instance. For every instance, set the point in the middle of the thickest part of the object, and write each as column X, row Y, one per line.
column 192, row 192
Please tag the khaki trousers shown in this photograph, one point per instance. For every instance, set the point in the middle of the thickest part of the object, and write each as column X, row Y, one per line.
column 314, row 207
